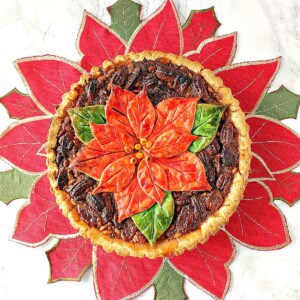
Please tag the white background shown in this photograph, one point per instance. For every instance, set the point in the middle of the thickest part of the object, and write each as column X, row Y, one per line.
column 266, row 29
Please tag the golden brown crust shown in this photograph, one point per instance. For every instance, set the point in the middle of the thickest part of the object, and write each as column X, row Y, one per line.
column 214, row 221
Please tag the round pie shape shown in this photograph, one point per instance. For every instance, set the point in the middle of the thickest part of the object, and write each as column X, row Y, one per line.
column 179, row 242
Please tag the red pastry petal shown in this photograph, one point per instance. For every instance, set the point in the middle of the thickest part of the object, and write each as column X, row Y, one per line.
column 69, row 259
column 47, row 78
column 249, row 81
column 92, row 160
column 21, row 142
column 132, row 200
column 259, row 169
column 116, row 276
column 141, row 115
column 116, row 176
column 116, row 108
column 215, row 52
column 275, row 143
column 285, row 187
column 174, row 113
column 96, row 42
column 184, row 172
column 258, row 223
column 41, row 218
column 171, row 143
column 208, row 265
column 152, row 179
column 200, row 26
column 160, row 32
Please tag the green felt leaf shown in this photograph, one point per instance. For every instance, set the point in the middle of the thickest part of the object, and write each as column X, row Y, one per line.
column 125, row 18
column 81, row 116
column 206, row 124
column 169, row 284
column 154, row 221
column 280, row 104
column 15, row 184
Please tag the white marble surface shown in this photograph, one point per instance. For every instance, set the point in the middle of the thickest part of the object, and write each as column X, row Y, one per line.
column 266, row 29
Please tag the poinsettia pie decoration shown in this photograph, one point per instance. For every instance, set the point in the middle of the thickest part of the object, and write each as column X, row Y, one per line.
column 149, row 154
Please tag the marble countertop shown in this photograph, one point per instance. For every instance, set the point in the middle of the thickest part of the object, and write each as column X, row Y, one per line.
column 266, row 29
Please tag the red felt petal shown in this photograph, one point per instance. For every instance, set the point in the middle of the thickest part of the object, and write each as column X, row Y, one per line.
column 116, row 108
column 171, row 143
column 215, row 52
column 48, row 78
column 249, row 81
column 207, row 266
column 286, row 187
column 152, row 179
column 141, row 115
column 92, row 160
column 69, row 259
column 184, row 172
column 132, row 200
column 259, row 169
column 97, row 42
column 41, row 218
column 116, row 276
column 174, row 113
column 116, row 176
column 160, row 32
column 258, row 223
column 200, row 26
column 21, row 142
column 276, row 144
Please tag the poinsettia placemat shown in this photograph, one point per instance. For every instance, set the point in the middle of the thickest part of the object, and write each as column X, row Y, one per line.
column 257, row 224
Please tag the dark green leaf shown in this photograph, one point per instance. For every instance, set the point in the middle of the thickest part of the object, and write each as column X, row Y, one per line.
column 125, row 18
column 169, row 284
column 156, row 220
column 81, row 116
column 207, row 121
column 280, row 104
column 15, row 184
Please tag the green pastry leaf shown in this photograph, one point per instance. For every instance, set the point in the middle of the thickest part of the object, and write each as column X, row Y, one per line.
column 280, row 104
column 15, row 184
column 169, row 284
column 206, row 124
column 156, row 220
column 81, row 116
column 125, row 18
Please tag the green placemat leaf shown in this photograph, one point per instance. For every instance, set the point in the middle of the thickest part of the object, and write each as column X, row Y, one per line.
column 15, row 184
column 81, row 116
column 206, row 124
column 125, row 18
column 154, row 221
column 280, row 104
column 169, row 284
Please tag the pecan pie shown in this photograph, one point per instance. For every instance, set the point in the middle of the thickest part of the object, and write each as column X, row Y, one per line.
column 186, row 179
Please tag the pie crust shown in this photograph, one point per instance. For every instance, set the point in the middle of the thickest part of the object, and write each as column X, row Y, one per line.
column 213, row 222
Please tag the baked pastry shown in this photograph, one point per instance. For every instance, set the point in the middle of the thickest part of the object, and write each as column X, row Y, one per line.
column 101, row 154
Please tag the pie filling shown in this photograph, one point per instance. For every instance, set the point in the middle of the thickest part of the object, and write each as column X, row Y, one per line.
column 161, row 80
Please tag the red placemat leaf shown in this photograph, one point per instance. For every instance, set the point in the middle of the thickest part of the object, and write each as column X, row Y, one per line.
column 20, row 106
column 200, row 25
column 259, row 169
column 69, row 259
column 207, row 266
column 47, row 78
column 160, row 32
column 286, row 187
column 41, row 218
column 249, row 81
column 215, row 52
column 275, row 143
column 121, row 274
column 21, row 142
column 258, row 223
column 96, row 42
